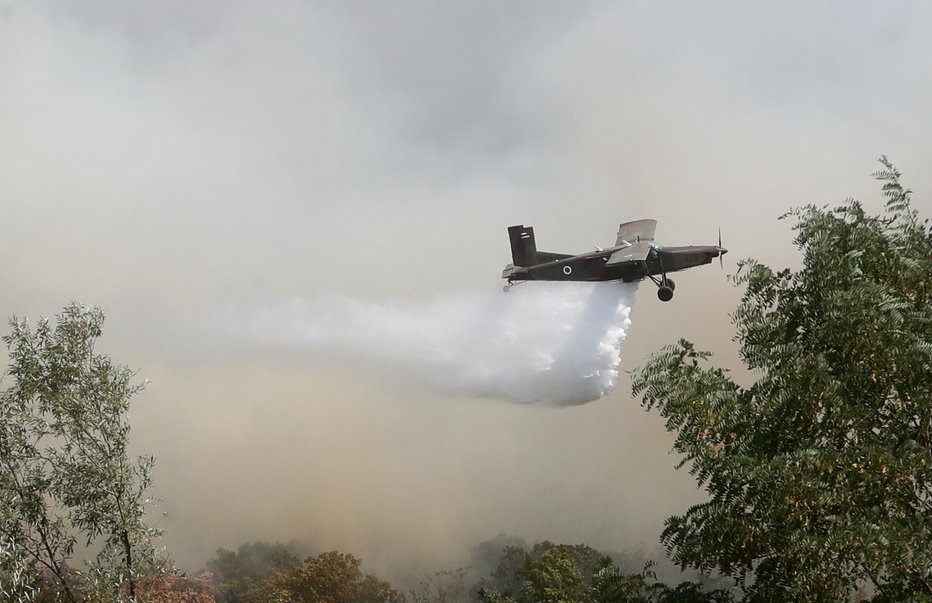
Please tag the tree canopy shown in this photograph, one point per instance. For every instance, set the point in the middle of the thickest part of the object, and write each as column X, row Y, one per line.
column 562, row 573
column 66, row 478
column 330, row 577
column 819, row 473
column 239, row 575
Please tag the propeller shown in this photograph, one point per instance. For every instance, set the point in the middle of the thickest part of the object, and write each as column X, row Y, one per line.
column 721, row 250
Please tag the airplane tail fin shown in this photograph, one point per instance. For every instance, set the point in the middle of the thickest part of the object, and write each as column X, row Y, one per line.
column 523, row 246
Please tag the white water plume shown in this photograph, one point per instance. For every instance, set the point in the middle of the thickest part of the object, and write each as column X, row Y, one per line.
column 551, row 343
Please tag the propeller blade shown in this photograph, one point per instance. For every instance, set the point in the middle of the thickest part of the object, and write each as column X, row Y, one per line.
column 721, row 260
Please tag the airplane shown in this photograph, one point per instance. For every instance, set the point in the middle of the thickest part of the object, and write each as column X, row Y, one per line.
column 633, row 257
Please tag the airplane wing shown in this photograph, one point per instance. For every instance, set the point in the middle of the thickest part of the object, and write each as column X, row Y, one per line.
column 637, row 237
column 636, row 252
column 638, row 230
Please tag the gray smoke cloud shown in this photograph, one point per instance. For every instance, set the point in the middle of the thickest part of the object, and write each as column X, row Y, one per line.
column 551, row 343
column 162, row 159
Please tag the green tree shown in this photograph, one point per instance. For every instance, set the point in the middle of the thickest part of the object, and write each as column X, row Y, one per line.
column 239, row 576
column 65, row 474
column 18, row 578
column 611, row 585
column 560, row 573
column 819, row 473
column 505, row 579
column 330, row 577
column 555, row 578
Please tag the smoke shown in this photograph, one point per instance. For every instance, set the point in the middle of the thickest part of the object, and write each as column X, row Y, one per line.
column 547, row 343
column 163, row 159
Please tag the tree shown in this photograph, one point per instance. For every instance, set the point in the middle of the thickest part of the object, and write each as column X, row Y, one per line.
column 328, row 578
column 172, row 588
column 555, row 578
column 819, row 473
column 65, row 474
column 560, row 573
column 548, row 572
column 506, row 579
column 611, row 585
column 18, row 581
column 239, row 576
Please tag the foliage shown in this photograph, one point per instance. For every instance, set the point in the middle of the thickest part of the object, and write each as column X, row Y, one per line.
column 65, row 475
column 162, row 588
column 550, row 573
column 614, row 586
column 515, row 563
column 18, row 578
column 486, row 557
column 819, row 473
column 239, row 576
column 506, row 578
column 330, row 577
column 553, row 578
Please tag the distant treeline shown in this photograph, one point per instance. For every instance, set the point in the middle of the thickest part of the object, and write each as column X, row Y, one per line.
column 260, row 573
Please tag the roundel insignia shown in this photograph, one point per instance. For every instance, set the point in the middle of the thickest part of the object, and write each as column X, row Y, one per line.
column 567, row 270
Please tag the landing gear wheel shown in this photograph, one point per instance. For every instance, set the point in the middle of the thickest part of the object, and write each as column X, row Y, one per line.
column 665, row 294
column 507, row 288
column 671, row 284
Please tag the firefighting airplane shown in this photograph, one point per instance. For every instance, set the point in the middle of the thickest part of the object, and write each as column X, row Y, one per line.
column 633, row 257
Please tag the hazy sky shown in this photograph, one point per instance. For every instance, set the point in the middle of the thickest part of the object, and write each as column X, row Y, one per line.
column 171, row 160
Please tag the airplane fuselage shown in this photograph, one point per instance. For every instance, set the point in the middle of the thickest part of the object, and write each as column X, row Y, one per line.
column 593, row 266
